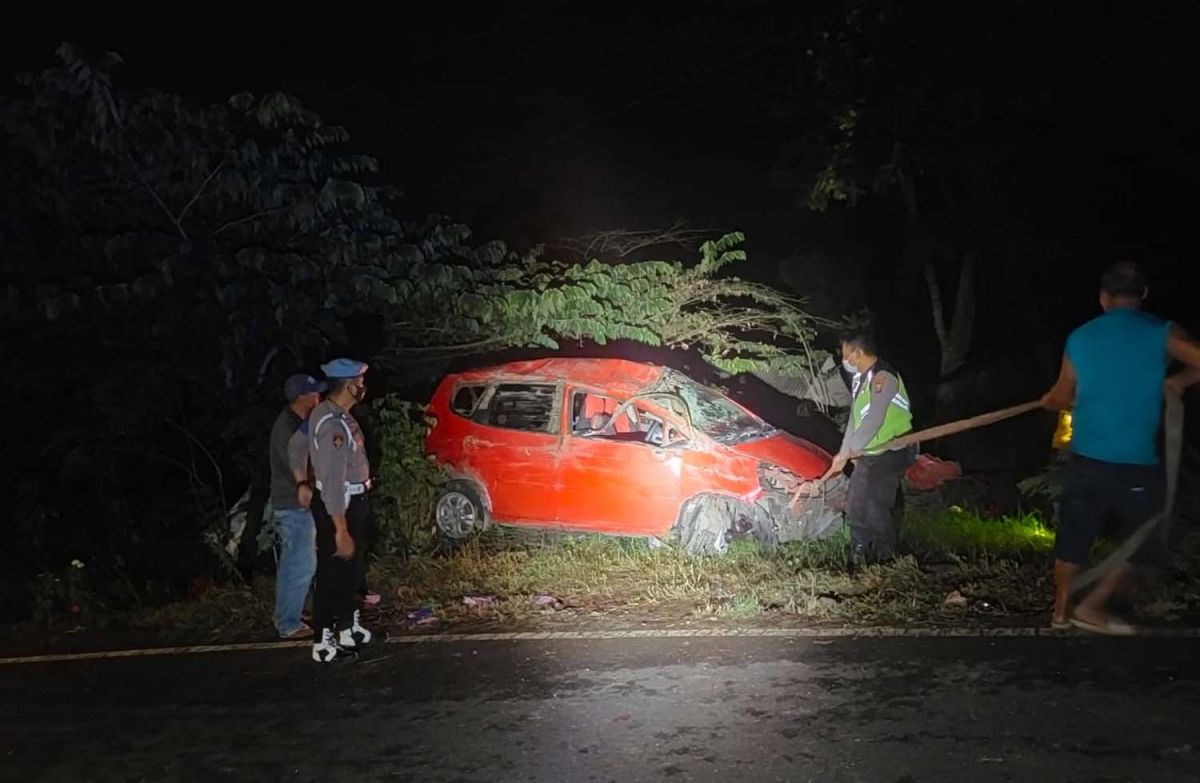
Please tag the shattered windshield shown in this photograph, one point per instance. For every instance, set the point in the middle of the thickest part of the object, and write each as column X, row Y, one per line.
column 713, row 413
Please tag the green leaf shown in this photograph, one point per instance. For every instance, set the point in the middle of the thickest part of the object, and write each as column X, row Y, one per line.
column 242, row 101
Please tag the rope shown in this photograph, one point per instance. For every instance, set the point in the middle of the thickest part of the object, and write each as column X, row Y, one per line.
column 1173, row 447
column 955, row 427
column 940, row 431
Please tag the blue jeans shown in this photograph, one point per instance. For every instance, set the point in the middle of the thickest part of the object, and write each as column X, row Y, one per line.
column 297, row 535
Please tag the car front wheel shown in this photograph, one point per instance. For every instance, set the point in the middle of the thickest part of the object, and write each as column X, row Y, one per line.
column 709, row 522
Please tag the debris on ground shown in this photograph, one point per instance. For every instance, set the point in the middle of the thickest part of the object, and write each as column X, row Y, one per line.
column 422, row 616
column 929, row 472
column 955, row 598
column 480, row 601
column 548, row 601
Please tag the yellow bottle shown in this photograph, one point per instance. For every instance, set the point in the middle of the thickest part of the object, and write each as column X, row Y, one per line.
column 1062, row 435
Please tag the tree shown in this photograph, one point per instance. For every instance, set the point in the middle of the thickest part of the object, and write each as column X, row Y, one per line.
column 169, row 263
column 930, row 143
column 164, row 258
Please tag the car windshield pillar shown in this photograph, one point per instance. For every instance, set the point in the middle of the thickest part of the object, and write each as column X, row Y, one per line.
column 673, row 414
column 711, row 412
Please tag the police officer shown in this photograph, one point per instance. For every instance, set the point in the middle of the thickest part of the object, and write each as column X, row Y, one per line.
column 879, row 412
column 342, row 478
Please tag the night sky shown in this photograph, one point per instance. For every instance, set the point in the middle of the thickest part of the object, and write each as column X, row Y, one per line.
column 543, row 121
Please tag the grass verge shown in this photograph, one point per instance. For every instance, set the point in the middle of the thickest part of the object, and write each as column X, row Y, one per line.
column 957, row 567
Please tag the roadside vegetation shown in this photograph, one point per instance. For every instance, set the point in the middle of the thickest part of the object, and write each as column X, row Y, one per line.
column 958, row 567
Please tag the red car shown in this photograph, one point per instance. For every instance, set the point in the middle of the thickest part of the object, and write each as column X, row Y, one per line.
column 620, row 447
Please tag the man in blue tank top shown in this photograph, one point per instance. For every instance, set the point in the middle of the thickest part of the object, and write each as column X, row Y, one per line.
column 1113, row 374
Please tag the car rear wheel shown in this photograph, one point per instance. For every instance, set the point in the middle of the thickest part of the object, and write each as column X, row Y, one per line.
column 459, row 512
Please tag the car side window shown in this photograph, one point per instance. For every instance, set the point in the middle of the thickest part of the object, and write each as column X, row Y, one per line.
column 592, row 417
column 466, row 399
column 591, row 412
column 521, row 406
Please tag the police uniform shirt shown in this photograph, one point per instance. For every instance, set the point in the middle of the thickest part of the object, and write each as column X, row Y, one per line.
column 337, row 455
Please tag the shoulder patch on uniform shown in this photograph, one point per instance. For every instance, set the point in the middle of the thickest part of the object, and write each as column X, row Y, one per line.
column 339, row 440
column 877, row 384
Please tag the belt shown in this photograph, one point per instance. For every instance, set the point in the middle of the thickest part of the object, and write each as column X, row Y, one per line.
column 352, row 488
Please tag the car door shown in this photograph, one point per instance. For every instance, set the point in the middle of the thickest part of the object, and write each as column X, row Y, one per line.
column 618, row 480
column 514, row 449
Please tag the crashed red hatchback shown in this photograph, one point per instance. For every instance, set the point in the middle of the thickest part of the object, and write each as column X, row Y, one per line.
column 619, row 447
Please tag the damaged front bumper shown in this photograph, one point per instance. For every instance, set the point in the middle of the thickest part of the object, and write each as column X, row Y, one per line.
column 811, row 516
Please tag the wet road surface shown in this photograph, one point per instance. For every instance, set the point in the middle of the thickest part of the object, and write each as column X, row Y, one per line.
column 720, row 709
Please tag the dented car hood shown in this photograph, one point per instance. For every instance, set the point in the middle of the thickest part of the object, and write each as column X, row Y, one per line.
column 787, row 452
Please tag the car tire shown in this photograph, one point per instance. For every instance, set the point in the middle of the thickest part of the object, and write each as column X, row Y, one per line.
column 707, row 525
column 704, row 527
column 762, row 526
column 459, row 512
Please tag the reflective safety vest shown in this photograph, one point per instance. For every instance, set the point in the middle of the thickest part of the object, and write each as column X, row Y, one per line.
column 897, row 420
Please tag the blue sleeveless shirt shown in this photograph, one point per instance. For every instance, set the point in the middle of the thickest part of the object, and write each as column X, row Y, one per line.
column 1120, row 360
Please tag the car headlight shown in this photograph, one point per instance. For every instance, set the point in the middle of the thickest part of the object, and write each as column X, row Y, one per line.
column 773, row 478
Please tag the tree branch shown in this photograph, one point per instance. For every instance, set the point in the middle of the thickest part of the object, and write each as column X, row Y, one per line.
column 963, row 324
column 623, row 243
column 116, row 115
column 212, row 460
column 246, row 219
column 158, row 200
column 935, row 304
column 200, row 190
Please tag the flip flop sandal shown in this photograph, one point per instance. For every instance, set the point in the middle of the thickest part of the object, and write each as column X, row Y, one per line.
column 1059, row 625
column 303, row 632
column 1111, row 628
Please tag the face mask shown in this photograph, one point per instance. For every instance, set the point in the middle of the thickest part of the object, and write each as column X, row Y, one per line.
column 850, row 368
column 359, row 392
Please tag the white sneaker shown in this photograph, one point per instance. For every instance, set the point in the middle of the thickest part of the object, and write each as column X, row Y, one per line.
column 324, row 650
column 355, row 636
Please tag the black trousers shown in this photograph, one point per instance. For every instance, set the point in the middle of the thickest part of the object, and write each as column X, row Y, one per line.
column 335, row 589
column 1092, row 491
column 872, row 501
column 370, row 532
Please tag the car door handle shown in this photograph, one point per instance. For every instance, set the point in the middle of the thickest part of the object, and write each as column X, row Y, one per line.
column 659, row 454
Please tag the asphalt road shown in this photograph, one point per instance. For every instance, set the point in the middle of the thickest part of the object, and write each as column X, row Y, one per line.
column 724, row 709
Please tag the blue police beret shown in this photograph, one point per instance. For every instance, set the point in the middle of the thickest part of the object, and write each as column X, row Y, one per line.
column 344, row 368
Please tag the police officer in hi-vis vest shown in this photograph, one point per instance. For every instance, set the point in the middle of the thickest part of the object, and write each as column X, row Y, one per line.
column 879, row 412
column 342, row 477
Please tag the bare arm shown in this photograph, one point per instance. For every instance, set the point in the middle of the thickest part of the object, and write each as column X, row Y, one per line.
column 1182, row 347
column 1062, row 394
column 298, row 462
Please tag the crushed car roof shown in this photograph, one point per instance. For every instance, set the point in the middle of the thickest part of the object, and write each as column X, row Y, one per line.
column 619, row 376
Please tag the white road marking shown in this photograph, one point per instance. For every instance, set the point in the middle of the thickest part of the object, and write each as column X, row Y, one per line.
column 868, row 632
